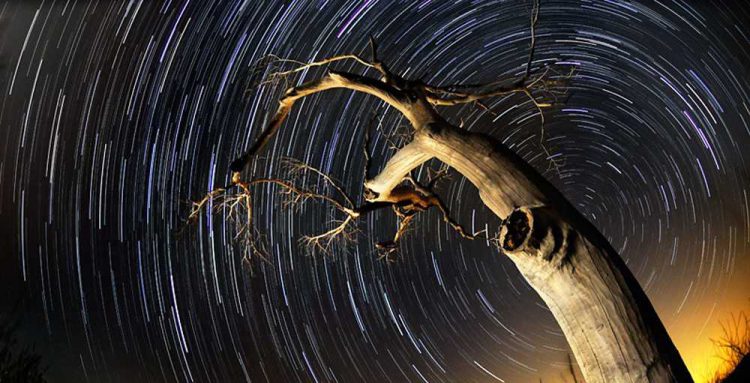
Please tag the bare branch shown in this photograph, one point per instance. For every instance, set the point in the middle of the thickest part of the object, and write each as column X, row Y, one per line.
column 451, row 95
column 553, row 245
column 235, row 202
column 734, row 343
column 324, row 241
column 331, row 80
column 434, row 200
column 383, row 190
column 296, row 166
column 532, row 45
column 304, row 66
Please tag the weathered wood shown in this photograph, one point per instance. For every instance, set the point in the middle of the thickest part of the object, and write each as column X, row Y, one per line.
column 613, row 330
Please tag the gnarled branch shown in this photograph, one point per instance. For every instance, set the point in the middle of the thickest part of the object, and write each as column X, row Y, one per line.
column 612, row 328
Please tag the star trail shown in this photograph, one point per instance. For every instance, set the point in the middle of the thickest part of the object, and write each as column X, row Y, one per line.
column 116, row 114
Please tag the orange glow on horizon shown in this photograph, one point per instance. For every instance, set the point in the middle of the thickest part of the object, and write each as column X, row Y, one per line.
column 694, row 332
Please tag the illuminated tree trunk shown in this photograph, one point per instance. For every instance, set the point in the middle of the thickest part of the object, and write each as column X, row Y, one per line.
column 606, row 317
column 612, row 328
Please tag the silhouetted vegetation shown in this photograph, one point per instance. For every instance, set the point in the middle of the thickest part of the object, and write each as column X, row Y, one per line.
column 734, row 347
column 18, row 363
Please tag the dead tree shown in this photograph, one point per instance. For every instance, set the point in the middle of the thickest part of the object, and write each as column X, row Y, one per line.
column 609, row 322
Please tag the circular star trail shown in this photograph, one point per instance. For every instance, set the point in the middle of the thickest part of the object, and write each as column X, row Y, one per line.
column 116, row 114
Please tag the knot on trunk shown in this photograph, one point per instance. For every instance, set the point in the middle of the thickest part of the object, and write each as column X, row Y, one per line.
column 538, row 233
column 517, row 227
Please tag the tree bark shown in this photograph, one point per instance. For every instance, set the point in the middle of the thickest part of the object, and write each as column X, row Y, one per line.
column 611, row 326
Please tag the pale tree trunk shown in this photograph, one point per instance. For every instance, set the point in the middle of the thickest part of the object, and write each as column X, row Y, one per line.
column 612, row 328
column 606, row 317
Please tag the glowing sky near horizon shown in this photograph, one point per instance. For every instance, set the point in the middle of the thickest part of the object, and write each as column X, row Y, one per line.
column 114, row 114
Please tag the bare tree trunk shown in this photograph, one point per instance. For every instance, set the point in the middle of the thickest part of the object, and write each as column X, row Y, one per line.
column 612, row 328
column 609, row 322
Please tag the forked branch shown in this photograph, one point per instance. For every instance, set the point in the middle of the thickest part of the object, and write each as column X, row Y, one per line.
column 586, row 285
column 235, row 202
column 414, row 99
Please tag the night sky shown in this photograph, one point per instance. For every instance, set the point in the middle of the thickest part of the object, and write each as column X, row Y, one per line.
column 115, row 114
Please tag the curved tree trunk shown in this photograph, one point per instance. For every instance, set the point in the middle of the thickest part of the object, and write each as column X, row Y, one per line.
column 611, row 326
column 606, row 317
